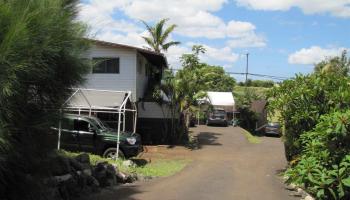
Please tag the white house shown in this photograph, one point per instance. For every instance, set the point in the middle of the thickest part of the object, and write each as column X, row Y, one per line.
column 126, row 68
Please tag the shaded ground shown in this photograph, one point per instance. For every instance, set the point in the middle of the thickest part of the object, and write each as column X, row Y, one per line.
column 226, row 166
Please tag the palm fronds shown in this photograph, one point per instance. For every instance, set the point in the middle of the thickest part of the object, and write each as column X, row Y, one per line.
column 158, row 36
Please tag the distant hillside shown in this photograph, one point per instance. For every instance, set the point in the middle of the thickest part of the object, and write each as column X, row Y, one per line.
column 239, row 90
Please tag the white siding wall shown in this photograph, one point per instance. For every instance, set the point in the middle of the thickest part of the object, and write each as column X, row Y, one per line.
column 125, row 80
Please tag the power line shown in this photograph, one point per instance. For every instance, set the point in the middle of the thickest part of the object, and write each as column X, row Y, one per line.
column 260, row 75
column 280, row 78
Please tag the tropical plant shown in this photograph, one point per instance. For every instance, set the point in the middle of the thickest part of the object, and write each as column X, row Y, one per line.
column 303, row 100
column 257, row 83
column 248, row 118
column 339, row 65
column 158, row 36
column 41, row 46
column 324, row 167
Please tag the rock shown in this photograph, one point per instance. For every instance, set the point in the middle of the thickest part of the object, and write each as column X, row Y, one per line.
column 115, row 168
column 295, row 194
column 121, row 177
column 111, row 175
column 92, row 181
column 128, row 163
column 60, row 166
column 83, row 158
column 126, row 178
column 87, row 172
column 75, row 164
column 62, row 178
column 291, row 187
column 86, row 166
column 105, row 173
column 132, row 178
column 71, row 187
column 308, row 197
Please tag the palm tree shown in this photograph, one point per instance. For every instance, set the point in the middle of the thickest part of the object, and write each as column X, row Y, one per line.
column 158, row 36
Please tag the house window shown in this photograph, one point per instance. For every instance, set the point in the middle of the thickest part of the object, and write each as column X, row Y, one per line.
column 106, row 65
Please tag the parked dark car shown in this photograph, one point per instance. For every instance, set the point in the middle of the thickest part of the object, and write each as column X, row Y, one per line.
column 217, row 117
column 272, row 128
column 89, row 134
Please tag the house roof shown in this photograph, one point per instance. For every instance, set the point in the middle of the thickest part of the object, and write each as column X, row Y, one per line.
column 153, row 57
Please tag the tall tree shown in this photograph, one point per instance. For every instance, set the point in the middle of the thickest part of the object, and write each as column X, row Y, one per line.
column 41, row 48
column 158, row 36
column 339, row 65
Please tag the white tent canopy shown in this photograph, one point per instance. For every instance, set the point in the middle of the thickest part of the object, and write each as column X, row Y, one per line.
column 101, row 101
column 224, row 99
column 221, row 100
column 97, row 100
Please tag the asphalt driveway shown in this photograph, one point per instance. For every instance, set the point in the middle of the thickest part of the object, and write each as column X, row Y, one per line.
column 226, row 166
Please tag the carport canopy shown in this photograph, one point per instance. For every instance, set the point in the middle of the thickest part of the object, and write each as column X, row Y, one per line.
column 222, row 100
column 98, row 100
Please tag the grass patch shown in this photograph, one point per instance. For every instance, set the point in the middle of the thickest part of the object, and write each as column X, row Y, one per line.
column 251, row 138
column 162, row 168
column 157, row 168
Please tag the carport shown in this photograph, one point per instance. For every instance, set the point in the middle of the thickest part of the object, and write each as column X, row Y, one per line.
column 220, row 100
column 223, row 100
column 91, row 101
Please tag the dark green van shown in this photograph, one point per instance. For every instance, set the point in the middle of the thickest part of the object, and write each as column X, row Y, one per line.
column 89, row 134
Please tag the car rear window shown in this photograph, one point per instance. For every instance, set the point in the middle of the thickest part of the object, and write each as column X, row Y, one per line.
column 275, row 124
column 219, row 112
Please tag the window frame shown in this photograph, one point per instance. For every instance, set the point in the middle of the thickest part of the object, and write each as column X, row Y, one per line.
column 106, row 70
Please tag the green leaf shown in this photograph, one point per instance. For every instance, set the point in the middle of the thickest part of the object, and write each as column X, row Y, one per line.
column 332, row 193
column 320, row 193
column 346, row 182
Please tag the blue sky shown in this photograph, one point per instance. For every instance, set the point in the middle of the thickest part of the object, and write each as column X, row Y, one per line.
column 282, row 37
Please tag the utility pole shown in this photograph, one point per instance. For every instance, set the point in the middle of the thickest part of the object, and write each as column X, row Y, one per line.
column 246, row 70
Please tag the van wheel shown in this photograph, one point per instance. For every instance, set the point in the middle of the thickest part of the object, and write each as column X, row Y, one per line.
column 111, row 153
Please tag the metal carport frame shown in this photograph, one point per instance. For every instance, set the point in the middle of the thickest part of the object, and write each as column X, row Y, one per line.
column 100, row 101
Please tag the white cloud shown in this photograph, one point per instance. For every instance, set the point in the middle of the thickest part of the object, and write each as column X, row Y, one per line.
column 195, row 19
column 338, row 8
column 98, row 16
column 219, row 54
column 313, row 55
column 174, row 53
column 238, row 29
column 215, row 56
column 249, row 40
column 132, row 38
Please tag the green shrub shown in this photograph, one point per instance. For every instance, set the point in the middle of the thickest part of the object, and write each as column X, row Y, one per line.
column 303, row 100
column 324, row 167
column 247, row 117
